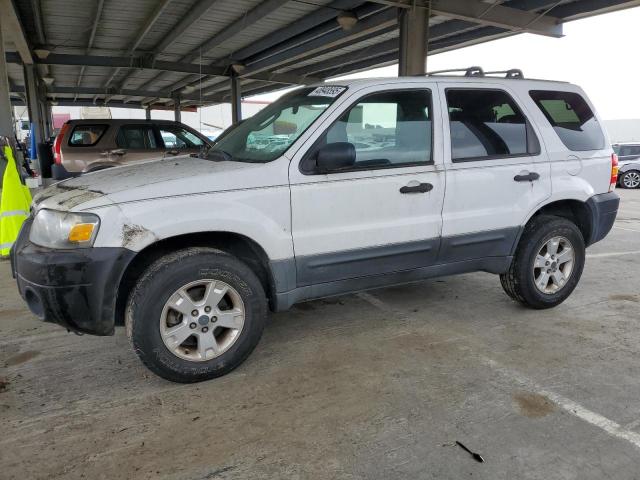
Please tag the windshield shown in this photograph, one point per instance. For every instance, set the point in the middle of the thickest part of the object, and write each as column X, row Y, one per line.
column 265, row 136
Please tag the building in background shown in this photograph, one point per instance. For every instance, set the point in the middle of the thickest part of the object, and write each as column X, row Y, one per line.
column 621, row 131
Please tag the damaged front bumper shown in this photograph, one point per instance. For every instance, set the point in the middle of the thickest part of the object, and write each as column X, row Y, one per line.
column 73, row 288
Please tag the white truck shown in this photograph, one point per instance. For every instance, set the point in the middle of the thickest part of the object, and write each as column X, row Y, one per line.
column 334, row 188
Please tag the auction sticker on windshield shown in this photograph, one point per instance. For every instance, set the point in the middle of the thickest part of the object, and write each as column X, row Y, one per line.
column 327, row 91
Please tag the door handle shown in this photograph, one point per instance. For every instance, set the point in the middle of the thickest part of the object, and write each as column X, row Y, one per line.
column 418, row 188
column 173, row 152
column 527, row 177
column 118, row 152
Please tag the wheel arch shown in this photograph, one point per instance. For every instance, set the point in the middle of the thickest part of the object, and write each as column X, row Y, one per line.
column 574, row 210
column 241, row 246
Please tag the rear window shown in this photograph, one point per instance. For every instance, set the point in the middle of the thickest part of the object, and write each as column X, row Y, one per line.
column 571, row 118
column 86, row 135
column 629, row 150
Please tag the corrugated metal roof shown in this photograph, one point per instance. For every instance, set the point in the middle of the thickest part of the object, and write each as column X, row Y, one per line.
column 277, row 39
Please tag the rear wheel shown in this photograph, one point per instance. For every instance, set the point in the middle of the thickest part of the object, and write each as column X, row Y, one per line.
column 630, row 179
column 548, row 263
column 196, row 314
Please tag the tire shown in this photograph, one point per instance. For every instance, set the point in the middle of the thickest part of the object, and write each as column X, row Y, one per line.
column 630, row 179
column 175, row 280
column 540, row 236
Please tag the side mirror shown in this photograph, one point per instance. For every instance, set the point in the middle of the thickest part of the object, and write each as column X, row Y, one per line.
column 336, row 156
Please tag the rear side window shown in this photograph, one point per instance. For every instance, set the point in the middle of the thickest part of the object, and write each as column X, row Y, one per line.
column 137, row 137
column 86, row 135
column 487, row 124
column 629, row 150
column 571, row 118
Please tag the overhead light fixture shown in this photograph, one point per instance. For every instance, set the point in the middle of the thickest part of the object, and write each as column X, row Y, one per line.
column 347, row 20
column 48, row 80
column 238, row 67
column 54, row 102
column 41, row 53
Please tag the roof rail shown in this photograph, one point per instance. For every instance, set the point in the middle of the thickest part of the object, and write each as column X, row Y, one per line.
column 511, row 73
column 468, row 72
column 479, row 72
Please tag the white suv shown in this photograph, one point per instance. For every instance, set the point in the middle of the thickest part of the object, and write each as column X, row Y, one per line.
column 332, row 189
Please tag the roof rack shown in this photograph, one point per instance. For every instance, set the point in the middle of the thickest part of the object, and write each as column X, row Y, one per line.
column 479, row 72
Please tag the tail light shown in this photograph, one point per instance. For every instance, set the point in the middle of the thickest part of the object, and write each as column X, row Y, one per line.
column 57, row 144
column 614, row 172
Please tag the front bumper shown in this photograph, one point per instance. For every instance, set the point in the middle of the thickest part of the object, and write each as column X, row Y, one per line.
column 73, row 288
column 603, row 209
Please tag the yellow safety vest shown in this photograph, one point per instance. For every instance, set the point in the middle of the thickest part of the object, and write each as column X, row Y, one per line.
column 15, row 203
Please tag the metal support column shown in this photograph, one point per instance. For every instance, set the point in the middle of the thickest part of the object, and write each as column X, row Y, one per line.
column 147, row 113
column 6, row 117
column 414, row 33
column 236, row 100
column 176, row 109
column 33, row 100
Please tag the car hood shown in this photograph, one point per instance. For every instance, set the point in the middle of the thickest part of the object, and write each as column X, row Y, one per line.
column 158, row 179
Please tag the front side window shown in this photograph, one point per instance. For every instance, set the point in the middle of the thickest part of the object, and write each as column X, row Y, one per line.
column 386, row 129
column 179, row 138
column 571, row 118
column 137, row 137
column 486, row 124
column 86, row 135
column 270, row 132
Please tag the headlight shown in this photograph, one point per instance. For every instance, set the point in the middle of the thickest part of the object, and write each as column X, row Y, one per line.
column 55, row 229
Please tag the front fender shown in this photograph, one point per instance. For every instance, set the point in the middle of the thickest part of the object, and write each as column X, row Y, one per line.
column 262, row 215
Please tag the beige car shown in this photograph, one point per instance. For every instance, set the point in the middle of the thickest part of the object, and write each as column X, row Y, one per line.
column 84, row 146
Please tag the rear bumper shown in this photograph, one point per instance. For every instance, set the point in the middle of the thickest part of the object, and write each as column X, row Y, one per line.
column 58, row 172
column 76, row 289
column 603, row 209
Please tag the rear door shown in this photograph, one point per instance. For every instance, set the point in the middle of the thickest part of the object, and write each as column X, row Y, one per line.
column 383, row 214
column 496, row 170
column 136, row 142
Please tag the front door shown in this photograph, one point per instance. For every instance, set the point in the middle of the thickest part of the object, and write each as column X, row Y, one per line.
column 497, row 171
column 134, row 143
column 381, row 214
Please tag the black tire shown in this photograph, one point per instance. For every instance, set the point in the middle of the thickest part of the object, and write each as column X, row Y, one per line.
column 519, row 282
column 626, row 174
column 166, row 276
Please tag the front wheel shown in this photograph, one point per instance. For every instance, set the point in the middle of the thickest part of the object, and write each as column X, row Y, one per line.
column 548, row 263
column 196, row 314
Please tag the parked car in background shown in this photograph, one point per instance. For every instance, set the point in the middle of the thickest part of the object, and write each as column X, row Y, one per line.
column 84, row 146
column 629, row 160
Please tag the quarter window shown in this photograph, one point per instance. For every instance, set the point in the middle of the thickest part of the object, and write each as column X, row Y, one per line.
column 387, row 129
column 571, row 118
column 137, row 137
column 486, row 124
column 86, row 135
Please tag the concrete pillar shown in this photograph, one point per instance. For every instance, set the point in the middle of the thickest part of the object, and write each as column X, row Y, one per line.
column 33, row 100
column 6, row 113
column 47, row 118
column 414, row 33
column 236, row 100
column 176, row 109
column 147, row 113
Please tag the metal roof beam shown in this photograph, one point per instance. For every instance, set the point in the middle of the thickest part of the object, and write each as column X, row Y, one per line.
column 246, row 20
column 315, row 18
column 14, row 30
column 490, row 14
column 142, row 33
column 92, row 36
column 372, row 25
column 195, row 13
column 110, row 92
column 309, row 26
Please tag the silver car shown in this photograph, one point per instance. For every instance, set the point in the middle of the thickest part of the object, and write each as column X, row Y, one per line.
column 629, row 161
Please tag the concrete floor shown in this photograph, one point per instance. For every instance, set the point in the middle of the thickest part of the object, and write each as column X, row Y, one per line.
column 368, row 386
